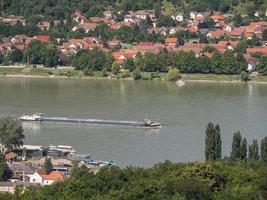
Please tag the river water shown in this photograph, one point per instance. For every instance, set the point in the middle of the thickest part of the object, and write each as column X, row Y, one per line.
column 183, row 111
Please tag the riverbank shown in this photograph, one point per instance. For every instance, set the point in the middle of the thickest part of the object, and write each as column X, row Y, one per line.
column 70, row 73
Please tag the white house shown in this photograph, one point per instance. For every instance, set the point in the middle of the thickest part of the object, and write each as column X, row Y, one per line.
column 129, row 18
column 47, row 179
column 178, row 17
column 36, row 179
column 193, row 15
column 173, row 30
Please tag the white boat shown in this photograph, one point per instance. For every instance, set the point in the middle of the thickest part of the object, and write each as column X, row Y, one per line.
column 180, row 82
column 62, row 148
column 32, row 117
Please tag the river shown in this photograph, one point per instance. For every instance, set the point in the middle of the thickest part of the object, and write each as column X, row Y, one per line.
column 183, row 111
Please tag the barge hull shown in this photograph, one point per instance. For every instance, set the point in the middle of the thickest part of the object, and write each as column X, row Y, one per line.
column 93, row 121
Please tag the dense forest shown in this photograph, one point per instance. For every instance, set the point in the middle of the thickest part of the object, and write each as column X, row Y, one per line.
column 62, row 9
column 221, row 180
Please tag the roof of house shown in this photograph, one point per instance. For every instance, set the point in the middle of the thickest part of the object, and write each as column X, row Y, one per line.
column 170, row 40
column 42, row 38
column 89, row 25
column 238, row 33
column 217, row 17
column 10, row 155
column 146, row 43
column 262, row 50
column 55, row 176
column 217, row 33
column 20, row 167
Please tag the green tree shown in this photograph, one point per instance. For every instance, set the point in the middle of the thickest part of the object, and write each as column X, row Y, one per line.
column 203, row 65
column 262, row 67
column 48, row 166
column 16, row 56
column 91, row 60
column 137, row 74
column 218, row 142
column 115, row 68
column 228, row 62
column 213, row 142
column 168, row 7
column 41, row 53
column 264, row 149
column 216, row 63
column 236, row 146
column 244, row 149
column 253, row 151
column 264, row 35
column 245, row 76
column 241, row 46
column 130, row 65
column 173, row 74
column 11, row 133
column 241, row 63
column 5, row 172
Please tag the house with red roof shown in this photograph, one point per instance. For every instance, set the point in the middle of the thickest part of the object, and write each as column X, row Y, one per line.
column 78, row 17
column 114, row 43
column 171, row 42
column 11, row 157
column 218, row 17
column 42, row 38
column 262, row 50
column 49, row 179
column 216, row 34
column 43, row 25
column 237, row 33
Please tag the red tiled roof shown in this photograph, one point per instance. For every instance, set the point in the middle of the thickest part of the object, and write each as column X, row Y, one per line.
column 208, row 54
column 217, row 33
column 42, row 38
column 237, row 33
column 10, row 156
column 170, row 40
column 192, row 30
column 146, row 43
column 217, row 17
column 89, row 25
column 262, row 50
column 55, row 176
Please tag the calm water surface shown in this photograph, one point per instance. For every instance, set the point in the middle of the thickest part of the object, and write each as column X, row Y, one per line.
column 183, row 111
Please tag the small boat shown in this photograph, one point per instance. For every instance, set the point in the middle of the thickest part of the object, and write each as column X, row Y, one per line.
column 151, row 124
column 32, row 117
column 180, row 82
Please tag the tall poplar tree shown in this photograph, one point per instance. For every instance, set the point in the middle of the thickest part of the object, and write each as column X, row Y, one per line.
column 244, row 149
column 213, row 142
column 236, row 146
column 253, row 151
column 264, row 149
column 218, row 142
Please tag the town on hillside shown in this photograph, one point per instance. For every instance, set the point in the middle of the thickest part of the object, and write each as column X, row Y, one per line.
column 141, row 32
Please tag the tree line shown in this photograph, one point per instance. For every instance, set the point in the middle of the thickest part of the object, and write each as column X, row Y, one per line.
column 36, row 53
column 241, row 151
column 185, row 62
column 62, row 9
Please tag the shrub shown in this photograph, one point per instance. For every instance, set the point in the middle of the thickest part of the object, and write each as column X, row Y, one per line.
column 173, row 75
column 137, row 74
column 245, row 76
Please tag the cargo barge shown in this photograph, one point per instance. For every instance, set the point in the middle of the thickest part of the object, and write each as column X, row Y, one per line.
column 40, row 117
